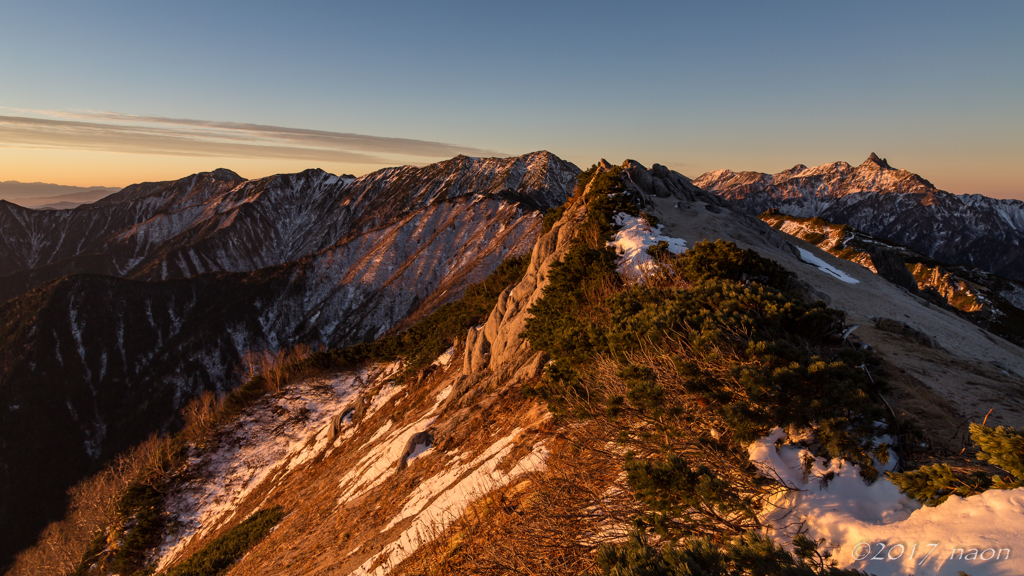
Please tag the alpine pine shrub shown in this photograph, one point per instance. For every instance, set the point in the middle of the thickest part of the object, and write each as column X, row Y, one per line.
column 1003, row 447
column 933, row 485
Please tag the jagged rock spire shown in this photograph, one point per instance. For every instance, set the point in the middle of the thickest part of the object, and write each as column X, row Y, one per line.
column 874, row 159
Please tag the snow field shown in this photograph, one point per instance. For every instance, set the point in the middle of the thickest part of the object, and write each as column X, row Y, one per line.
column 259, row 445
column 876, row 529
column 441, row 499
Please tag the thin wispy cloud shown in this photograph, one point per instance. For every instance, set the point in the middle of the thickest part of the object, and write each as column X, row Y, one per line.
column 115, row 132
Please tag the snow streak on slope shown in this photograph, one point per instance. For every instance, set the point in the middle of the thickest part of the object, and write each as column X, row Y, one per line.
column 826, row 267
column 441, row 499
column 266, row 441
column 390, row 464
column 891, row 533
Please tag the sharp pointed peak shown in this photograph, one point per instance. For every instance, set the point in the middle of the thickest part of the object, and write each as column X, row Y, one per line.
column 874, row 159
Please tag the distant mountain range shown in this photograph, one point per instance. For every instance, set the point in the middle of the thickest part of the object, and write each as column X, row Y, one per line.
column 894, row 205
column 39, row 196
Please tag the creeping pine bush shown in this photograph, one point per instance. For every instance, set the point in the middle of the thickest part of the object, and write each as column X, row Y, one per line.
column 723, row 260
column 683, row 372
column 751, row 555
column 220, row 553
column 1001, row 446
column 550, row 217
column 740, row 349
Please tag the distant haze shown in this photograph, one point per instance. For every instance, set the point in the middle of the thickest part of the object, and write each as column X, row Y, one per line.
column 38, row 194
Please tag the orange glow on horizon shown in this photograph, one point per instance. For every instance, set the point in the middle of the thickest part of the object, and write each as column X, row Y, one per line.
column 112, row 169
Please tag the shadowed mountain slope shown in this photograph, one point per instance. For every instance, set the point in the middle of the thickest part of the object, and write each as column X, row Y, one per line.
column 219, row 222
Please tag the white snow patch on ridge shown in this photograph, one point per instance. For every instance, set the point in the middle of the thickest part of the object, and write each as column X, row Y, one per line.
column 441, row 499
column 632, row 242
column 826, row 267
column 288, row 432
column 385, row 454
column 445, row 357
column 892, row 533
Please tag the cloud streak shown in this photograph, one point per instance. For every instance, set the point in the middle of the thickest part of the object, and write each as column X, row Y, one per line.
column 124, row 133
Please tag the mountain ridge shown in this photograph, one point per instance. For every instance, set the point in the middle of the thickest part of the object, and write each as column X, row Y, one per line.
column 85, row 351
column 891, row 204
column 216, row 221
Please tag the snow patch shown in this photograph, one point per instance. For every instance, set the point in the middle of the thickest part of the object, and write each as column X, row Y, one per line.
column 418, row 450
column 382, row 460
column 632, row 242
column 892, row 533
column 439, row 500
column 445, row 357
column 289, row 432
column 826, row 267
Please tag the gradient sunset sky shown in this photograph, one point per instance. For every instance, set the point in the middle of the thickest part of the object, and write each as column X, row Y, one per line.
column 111, row 93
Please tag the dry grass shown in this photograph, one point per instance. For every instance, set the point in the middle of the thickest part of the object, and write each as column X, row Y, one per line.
column 92, row 508
column 201, row 416
column 549, row 522
column 275, row 367
column 92, row 503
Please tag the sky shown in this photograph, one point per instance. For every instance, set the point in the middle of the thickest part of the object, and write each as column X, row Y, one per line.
column 110, row 93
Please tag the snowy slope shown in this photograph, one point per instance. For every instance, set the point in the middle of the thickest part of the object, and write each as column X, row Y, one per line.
column 872, row 527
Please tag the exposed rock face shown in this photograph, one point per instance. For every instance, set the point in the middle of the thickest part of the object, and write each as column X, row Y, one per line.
column 498, row 340
column 890, row 265
column 219, row 222
column 959, row 292
column 491, row 346
column 894, row 205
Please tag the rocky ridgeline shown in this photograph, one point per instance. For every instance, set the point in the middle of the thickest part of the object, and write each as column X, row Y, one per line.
column 219, row 222
column 893, row 205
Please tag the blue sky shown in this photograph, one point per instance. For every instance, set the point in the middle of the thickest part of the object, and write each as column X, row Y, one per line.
column 934, row 87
